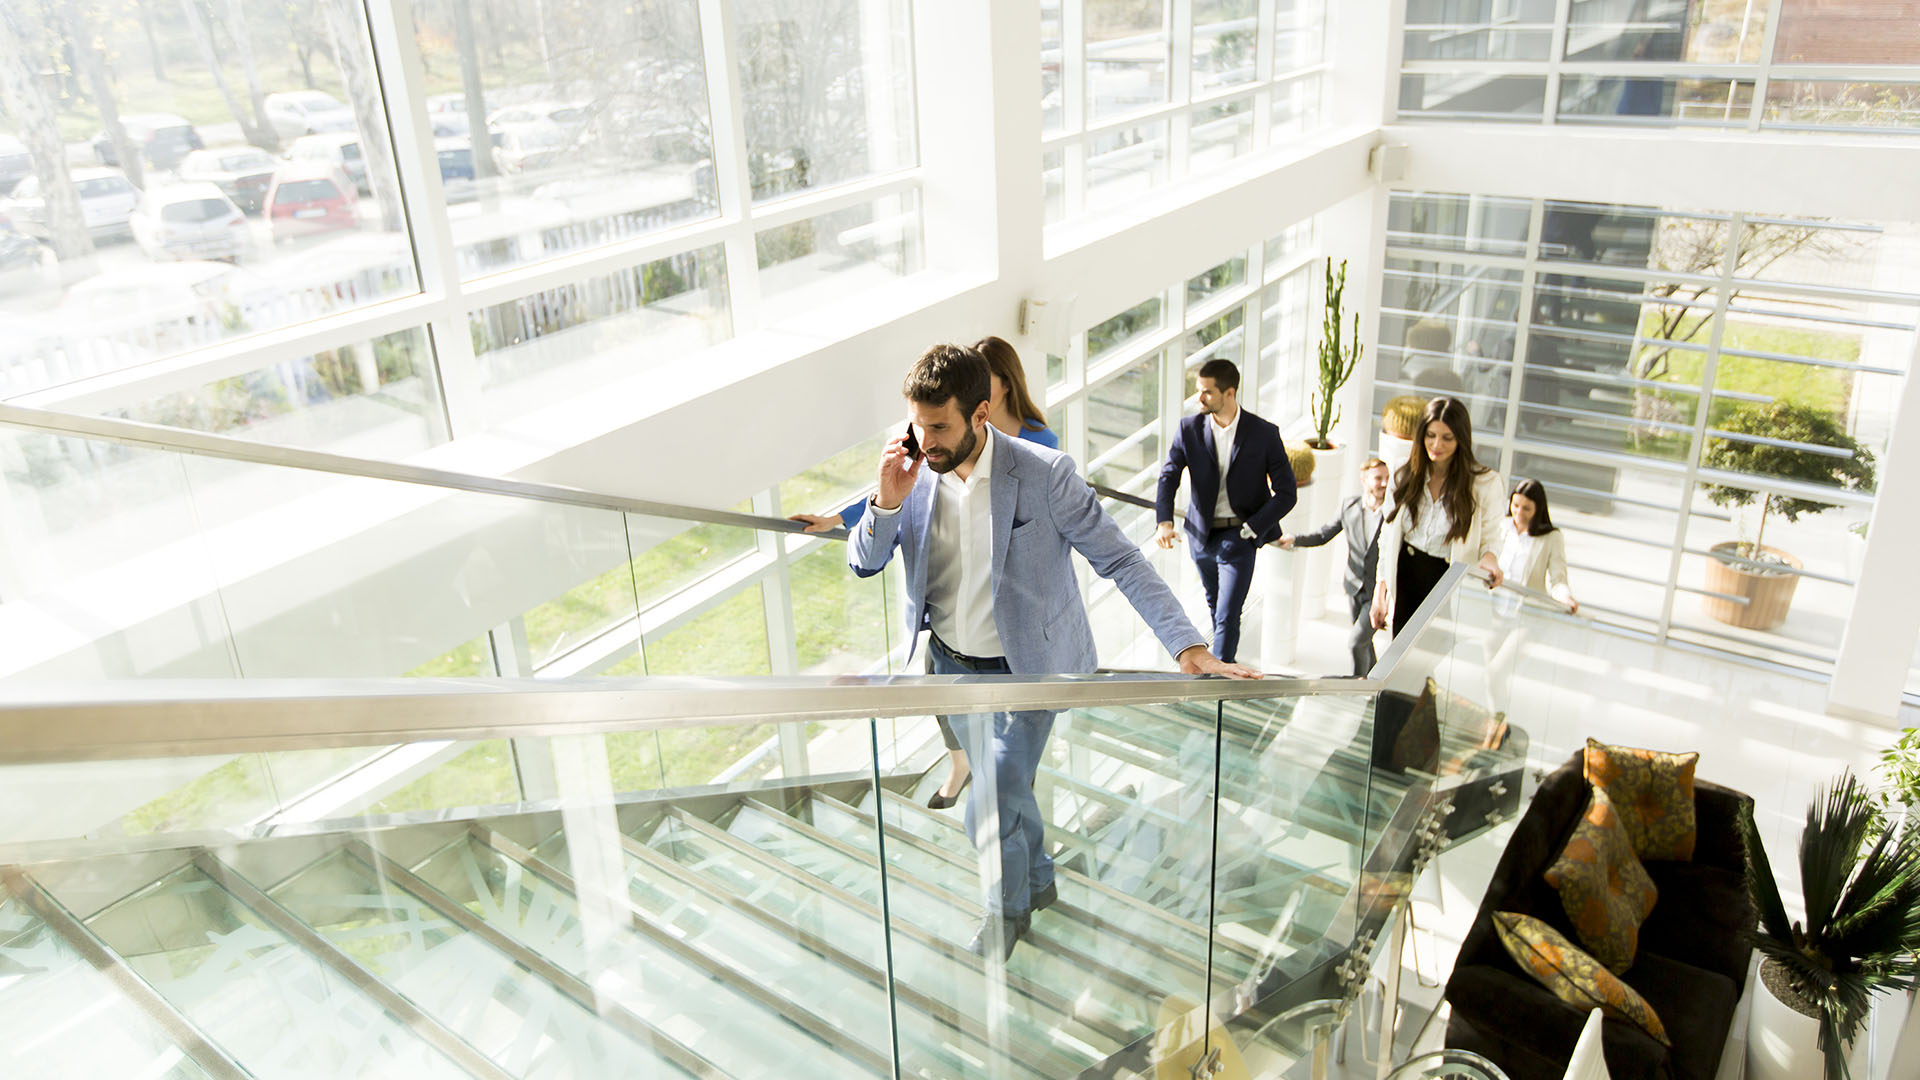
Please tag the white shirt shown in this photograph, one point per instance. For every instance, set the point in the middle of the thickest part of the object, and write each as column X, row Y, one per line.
column 1429, row 534
column 1223, row 449
column 960, row 559
column 1516, row 555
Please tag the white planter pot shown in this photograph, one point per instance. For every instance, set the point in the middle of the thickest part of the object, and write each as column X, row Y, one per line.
column 1394, row 450
column 1319, row 504
column 1784, row 1045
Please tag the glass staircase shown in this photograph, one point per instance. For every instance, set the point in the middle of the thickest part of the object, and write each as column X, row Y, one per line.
column 1226, row 854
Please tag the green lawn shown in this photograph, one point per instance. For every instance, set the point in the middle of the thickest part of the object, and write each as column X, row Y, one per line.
column 1825, row 388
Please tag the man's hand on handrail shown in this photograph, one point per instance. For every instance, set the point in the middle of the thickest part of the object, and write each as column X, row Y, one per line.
column 1198, row 660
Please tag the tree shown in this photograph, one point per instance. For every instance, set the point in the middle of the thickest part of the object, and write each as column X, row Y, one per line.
column 154, row 56
column 93, row 69
column 482, row 152
column 262, row 134
column 203, row 37
column 1694, row 247
column 20, row 46
column 1848, row 465
column 363, row 94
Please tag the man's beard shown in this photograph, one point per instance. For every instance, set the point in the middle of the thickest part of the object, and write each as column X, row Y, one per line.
column 948, row 462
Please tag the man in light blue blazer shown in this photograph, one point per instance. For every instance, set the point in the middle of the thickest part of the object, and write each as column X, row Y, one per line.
column 986, row 528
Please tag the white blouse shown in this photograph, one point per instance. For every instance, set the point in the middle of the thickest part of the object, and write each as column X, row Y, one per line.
column 1429, row 534
column 1538, row 562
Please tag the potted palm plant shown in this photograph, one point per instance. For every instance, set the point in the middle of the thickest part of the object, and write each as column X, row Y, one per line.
column 1798, row 442
column 1861, row 885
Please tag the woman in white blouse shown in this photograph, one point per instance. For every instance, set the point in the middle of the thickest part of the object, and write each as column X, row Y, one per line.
column 1533, row 551
column 1444, row 507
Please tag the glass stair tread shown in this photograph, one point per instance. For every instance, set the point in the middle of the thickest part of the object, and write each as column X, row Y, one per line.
column 952, row 916
column 725, row 1025
column 274, row 1007
column 523, row 1023
column 60, row 1016
column 935, row 969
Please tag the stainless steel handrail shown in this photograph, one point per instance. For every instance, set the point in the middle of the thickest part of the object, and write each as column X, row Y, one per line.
column 54, row 722
column 226, row 447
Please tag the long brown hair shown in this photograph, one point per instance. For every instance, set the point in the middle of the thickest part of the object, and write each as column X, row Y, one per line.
column 1456, row 491
column 1003, row 361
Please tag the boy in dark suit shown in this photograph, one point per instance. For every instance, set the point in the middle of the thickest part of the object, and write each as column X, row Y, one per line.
column 1242, row 486
column 1360, row 519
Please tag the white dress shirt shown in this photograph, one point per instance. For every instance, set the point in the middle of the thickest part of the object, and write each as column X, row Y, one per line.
column 1429, row 533
column 960, row 559
column 1223, row 450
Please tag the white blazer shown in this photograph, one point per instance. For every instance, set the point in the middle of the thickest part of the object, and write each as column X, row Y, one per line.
column 1483, row 537
column 1544, row 567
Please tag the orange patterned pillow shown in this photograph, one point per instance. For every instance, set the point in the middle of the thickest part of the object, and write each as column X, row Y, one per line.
column 1573, row 976
column 1654, row 794
column 1604, row 889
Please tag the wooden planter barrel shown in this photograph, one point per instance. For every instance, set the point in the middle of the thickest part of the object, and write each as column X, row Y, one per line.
column 1768, row 595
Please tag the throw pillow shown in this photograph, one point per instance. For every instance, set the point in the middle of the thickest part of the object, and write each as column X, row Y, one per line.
column 1604, row 889
column 1654, row 794
column 1477, row 724
column 1573, row 976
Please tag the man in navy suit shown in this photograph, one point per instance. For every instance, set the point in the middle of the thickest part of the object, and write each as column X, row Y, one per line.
column 987, row 525
column 1226, row 522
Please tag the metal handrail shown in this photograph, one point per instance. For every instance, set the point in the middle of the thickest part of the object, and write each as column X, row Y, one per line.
column 142, row 718
column 228, row 448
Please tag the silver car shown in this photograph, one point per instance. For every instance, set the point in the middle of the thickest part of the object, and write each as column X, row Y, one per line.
column 189, row 221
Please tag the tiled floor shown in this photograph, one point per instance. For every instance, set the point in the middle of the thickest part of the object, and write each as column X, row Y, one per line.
column 1757, row 730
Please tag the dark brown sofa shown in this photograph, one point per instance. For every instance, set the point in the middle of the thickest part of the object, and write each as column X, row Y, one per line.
column 1691, row 965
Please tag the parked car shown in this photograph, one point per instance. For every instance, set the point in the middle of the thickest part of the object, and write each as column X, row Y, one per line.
column 339, row 150
column 456, row 169
column 26, row 264
column 15, row 163
column 529, row 146
column 189, row 221
column 309, row 197
column 294, row 113
column 163, row 139
column 242, row 173
column 565, row 115
column 106, row 202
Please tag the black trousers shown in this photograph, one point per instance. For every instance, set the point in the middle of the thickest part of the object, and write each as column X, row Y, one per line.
column 1418, row 573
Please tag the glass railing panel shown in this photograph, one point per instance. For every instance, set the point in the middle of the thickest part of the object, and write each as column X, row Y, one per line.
column 1540, row 663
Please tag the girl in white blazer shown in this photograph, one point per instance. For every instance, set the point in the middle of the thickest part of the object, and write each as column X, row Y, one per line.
column 1533, row 550
column 1443, row 507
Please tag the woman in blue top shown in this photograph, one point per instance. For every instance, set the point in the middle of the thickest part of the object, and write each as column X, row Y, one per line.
column 1011, row 408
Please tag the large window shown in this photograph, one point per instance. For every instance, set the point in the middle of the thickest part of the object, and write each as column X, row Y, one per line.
column 1691, row 63
column 1138, row 93
column 1705, row 394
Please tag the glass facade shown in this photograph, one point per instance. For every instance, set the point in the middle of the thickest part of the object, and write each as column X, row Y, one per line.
column 1705, row 395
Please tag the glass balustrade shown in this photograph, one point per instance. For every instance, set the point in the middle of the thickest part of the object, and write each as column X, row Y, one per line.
column 1217, row 846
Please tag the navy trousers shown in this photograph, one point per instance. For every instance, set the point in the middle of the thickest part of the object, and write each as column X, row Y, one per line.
column 1004, row 750
column 1225, row 563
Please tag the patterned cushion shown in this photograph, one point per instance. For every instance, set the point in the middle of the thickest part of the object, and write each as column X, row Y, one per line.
column 1573, row 976
column 1653, row 793
column 1603, row 887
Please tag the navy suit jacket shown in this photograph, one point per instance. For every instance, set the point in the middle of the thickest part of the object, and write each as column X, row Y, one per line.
column 1260, row 485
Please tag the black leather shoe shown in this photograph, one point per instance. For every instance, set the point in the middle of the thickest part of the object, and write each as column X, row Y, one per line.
column 1008, row 930
column 1044, row 898
column 937, row 801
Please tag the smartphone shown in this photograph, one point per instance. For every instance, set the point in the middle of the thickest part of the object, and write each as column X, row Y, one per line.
column 912, row 445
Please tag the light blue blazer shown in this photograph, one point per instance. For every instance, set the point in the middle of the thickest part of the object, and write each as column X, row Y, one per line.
column 1040, row 511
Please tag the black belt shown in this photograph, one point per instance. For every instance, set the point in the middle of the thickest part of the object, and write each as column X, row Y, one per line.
column 1228, row 522
column 1409, row 549
column 963, row 659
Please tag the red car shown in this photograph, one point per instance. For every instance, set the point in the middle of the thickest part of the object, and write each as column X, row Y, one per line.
column 306, row 198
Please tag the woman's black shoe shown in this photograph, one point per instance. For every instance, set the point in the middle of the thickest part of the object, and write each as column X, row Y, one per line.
column 937, row 801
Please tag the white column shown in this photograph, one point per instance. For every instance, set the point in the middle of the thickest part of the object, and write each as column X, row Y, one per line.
column 1876, row 649
column 980, row 143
